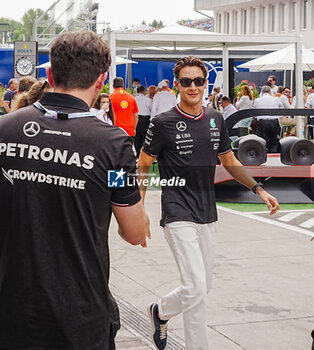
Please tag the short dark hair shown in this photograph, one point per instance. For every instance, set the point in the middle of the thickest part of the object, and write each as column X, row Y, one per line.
column 273, row 77
column 226, row 99
column 136, row 79
column 118, row 82
column 140, row 89
column 189, row 61
column 78, row 58
column 26, row 83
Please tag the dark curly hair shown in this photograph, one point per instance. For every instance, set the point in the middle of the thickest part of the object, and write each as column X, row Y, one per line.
column 189, row 61
column 78, row 58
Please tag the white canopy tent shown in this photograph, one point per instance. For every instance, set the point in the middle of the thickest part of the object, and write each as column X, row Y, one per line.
column 176, row 41
column 179, row 29
column 283, row 59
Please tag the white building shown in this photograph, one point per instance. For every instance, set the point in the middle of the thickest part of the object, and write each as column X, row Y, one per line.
column 262, row 17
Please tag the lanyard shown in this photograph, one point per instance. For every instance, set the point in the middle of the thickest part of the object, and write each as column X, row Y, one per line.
column 60, row 115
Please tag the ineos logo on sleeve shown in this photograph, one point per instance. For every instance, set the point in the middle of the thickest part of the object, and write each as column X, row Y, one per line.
column 31, row 129
column 181, row 126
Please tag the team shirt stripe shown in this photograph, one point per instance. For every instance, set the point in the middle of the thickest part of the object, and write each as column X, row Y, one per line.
column 190, row 115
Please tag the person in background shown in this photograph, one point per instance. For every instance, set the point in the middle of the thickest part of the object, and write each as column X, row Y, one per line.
column 216, row 98
column 268, row 125
column 26, row 83
column 55, row 256
column 271, row 82
column 35, row 93
column 135, row 83
column 279, row 91
column 305, row 95
column 285, row 98
column 144, row 104
column 124, row 107
column 227, row 110
column 9, row 94
column 163, row 100
column 152, row 90
column 103, row 109
column 210, row 101
column 310, row 104
column 245, row 101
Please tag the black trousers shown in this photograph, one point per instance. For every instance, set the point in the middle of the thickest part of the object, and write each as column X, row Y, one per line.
column 141, row 129
column 310, row 121
column 269, row 130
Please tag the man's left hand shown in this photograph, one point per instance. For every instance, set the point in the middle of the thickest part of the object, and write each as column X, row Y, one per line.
column 269, row 200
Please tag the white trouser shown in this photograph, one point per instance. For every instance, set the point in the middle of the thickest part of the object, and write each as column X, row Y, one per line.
column 193, row 247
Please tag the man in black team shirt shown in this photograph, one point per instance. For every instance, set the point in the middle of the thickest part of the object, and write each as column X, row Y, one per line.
column 56, row 204
column 187, row 140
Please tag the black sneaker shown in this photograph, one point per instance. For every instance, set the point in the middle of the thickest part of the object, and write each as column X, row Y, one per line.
column 159, row 327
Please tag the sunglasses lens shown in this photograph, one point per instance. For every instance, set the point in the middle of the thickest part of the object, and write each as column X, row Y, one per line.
column 199, row 81
column 185, row 82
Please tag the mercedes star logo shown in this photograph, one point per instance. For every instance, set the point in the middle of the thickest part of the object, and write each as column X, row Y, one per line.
column 181, row 126
column 31, row 129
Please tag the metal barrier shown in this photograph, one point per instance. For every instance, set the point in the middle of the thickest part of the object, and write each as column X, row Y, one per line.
column 256, row 112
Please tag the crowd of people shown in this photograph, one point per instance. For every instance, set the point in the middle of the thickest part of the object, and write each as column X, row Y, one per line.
column 269, row 127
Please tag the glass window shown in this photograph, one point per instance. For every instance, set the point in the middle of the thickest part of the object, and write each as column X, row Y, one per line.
column 283, row 17
column 235, row 22
column 272, row 18
column 263, row 19
column 305, row 9
column 253, row 20
column 227, row 19
column 244, row 21
column 293, row 15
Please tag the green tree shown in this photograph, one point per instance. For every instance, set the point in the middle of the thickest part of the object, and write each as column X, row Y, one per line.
column 16, row 28
column 28, row 21
column 160, row 24
column 144, row 23
column 154, row 24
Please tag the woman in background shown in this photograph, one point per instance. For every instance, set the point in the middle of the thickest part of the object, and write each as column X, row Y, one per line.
column 245, row 101
column 34, row 94
column 103, row 109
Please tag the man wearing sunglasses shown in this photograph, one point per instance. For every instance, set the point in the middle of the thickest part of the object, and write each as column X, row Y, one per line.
column 187, row 140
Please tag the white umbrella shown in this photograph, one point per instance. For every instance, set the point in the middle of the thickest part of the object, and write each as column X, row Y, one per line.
column 119, row 60
column 283, row 59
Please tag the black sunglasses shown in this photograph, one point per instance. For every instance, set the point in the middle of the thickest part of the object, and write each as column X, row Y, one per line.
column 186, row 82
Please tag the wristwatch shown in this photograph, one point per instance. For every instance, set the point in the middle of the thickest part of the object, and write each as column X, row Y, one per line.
column 258, row 184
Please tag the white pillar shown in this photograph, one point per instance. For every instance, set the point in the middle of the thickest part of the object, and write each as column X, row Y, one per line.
column 299, row 85
column 112, row 68
column 225, row 67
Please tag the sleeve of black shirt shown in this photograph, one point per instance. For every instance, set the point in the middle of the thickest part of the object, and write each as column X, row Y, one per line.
column 130, row 194
column 225, row 143
column 154, row 141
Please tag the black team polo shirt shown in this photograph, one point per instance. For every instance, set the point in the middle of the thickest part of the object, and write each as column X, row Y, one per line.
column 55, row 213
column 186, row 147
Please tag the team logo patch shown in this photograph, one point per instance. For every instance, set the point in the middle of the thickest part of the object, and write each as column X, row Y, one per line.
column 212, row 122
column 181, row 126
column 31, row 129
column 116, row 178
column 124, row 104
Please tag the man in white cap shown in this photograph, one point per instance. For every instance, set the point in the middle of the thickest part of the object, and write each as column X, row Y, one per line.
column 163, row 100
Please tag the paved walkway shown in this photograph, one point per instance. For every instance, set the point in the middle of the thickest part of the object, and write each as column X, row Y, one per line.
column 263, row 293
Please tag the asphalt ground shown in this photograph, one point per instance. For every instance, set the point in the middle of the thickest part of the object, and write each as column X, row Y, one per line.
column 263, row 290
